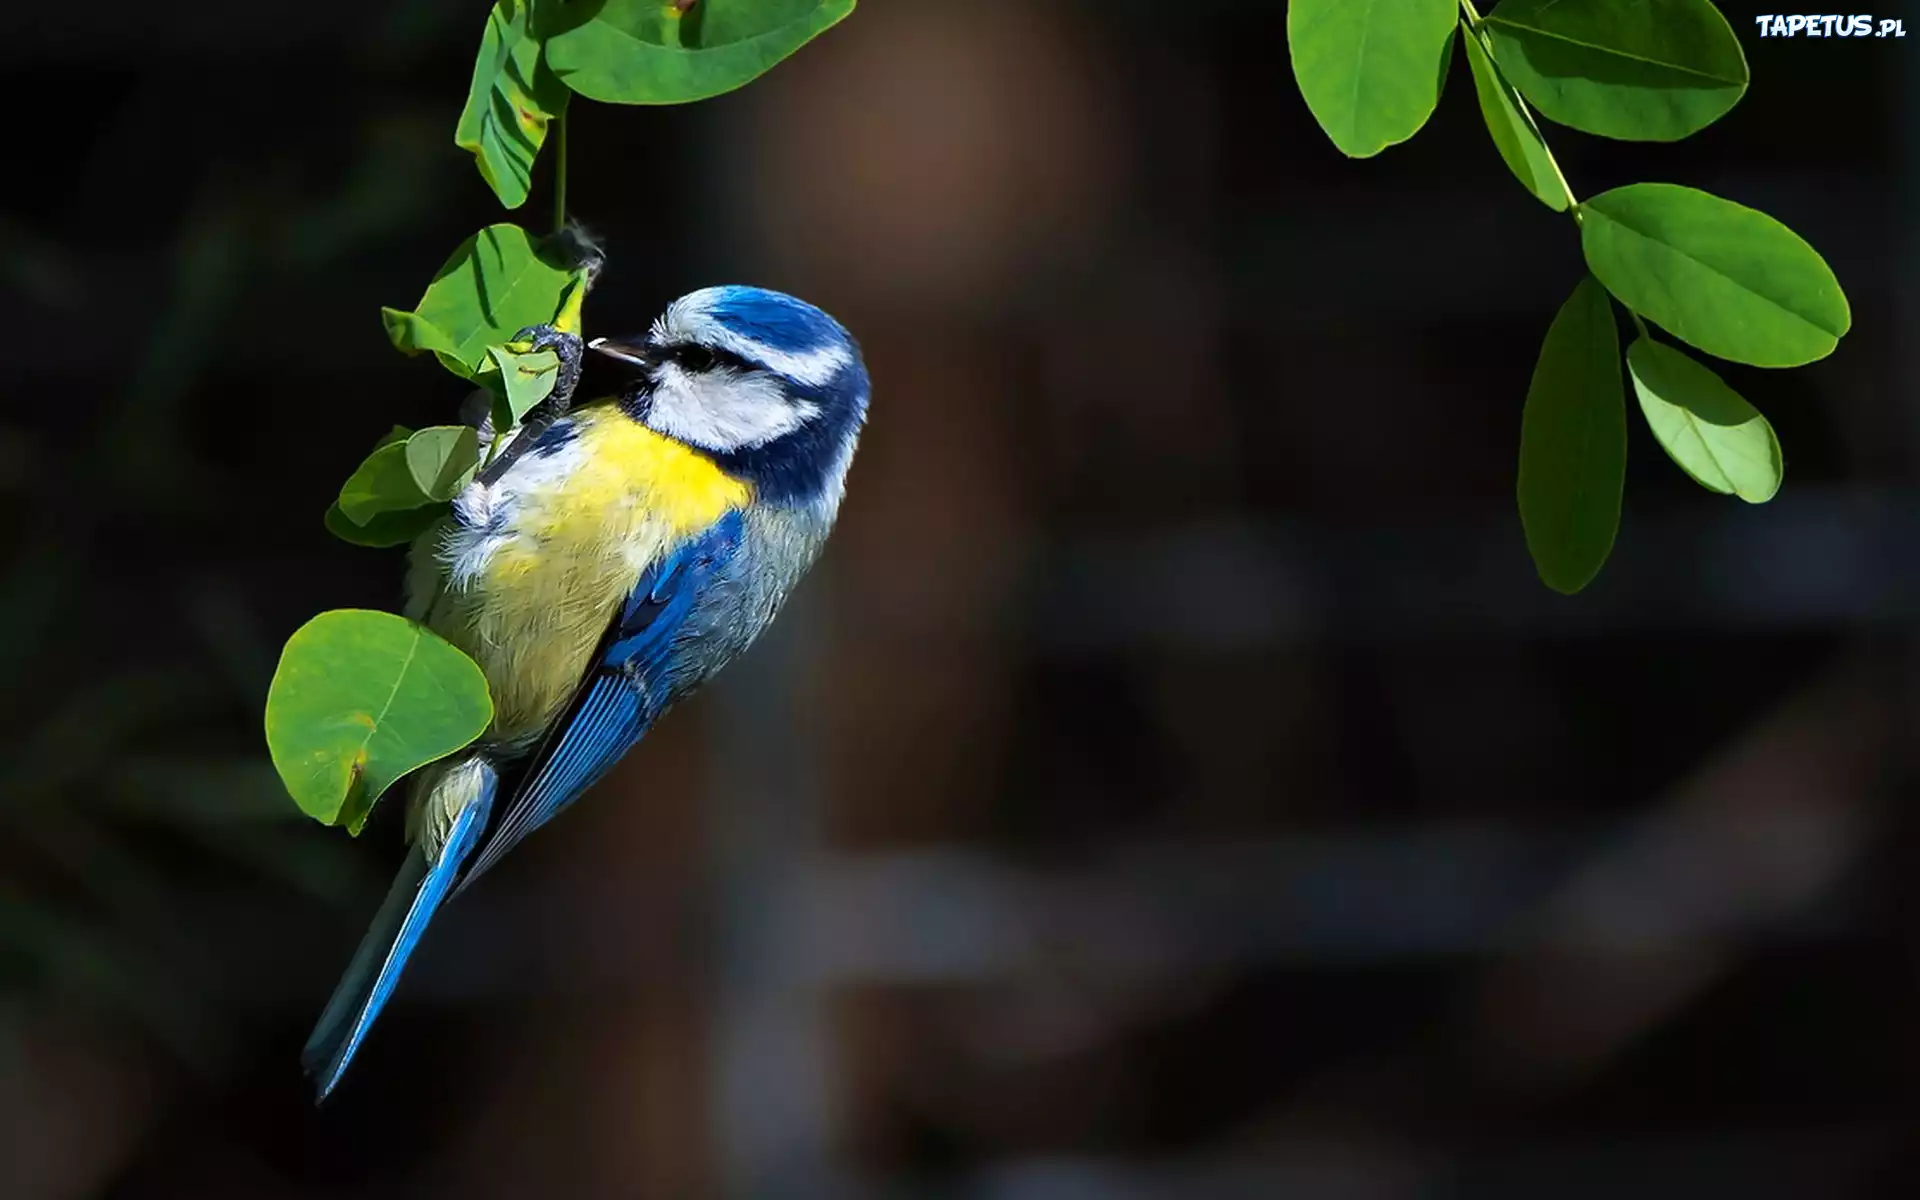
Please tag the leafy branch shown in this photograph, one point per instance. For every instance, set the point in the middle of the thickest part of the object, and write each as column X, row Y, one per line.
column 1723, row 278
column 361, row 697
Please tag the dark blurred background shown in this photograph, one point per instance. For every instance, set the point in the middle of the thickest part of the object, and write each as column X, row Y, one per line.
column 1173, row 782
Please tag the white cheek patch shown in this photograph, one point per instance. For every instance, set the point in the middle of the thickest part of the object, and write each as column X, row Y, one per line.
column 724, row 410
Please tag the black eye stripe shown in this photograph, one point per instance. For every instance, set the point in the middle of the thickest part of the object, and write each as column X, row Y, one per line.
column 691, row 357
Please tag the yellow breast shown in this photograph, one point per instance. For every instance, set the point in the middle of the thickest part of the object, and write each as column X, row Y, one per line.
column 539, row 562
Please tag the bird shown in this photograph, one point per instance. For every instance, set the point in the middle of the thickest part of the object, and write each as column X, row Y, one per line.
column 608, row 561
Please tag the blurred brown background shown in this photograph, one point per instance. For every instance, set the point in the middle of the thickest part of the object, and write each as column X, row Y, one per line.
column 1173, row 782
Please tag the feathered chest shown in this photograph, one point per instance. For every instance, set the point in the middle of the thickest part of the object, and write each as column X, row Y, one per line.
column 528, row 573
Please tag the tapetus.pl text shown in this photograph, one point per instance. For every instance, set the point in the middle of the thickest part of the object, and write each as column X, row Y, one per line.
column 1858, row 25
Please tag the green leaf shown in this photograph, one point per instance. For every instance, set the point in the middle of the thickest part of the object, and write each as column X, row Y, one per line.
column 1573, row 443
column 442, row 460
column 1647, row 70
column 1514, row 133
column 1370, row 70
column 384, row 529
column 412, row 334
column 1721, row 276
column 497, row 283
column 382, row 483
column 524, row 381
column 361, row 698
column 509, row 103
column 1704, row 425
column 572, row 316
column 380, row 487
column 649, row 52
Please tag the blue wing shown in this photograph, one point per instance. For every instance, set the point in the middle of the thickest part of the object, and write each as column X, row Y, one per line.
column 626, row 689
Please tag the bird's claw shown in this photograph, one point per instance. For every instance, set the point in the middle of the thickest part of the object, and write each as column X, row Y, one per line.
column 546, row 337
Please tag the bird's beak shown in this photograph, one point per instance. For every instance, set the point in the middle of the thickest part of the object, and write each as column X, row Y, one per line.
column 627, row 352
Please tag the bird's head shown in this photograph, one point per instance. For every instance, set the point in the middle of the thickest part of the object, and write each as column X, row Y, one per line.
column 769, row 386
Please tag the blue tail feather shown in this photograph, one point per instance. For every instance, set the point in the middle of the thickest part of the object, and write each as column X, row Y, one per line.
column 371, row 977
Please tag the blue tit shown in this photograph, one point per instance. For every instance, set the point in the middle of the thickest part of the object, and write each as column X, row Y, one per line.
column 604, row 565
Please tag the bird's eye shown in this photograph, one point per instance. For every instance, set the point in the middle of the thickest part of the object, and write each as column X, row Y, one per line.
column 694, row 358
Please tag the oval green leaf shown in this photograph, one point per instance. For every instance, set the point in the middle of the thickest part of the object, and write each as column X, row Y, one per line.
column 361, row 698
column 1651, row 70
column 386, row 529
column 1705, row 426
column 442, row 459
column 1726, row 278
column 1573, row 443
column 1514, row 134
column 650, row 52
column 382, row 483
column 512, row 98
column 1370, row 70
column 497, row 283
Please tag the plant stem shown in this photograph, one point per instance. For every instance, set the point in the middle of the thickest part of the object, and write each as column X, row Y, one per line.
column 1639, row 324
column 1520, row 106
column 1573, row 205
column 560, row 170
